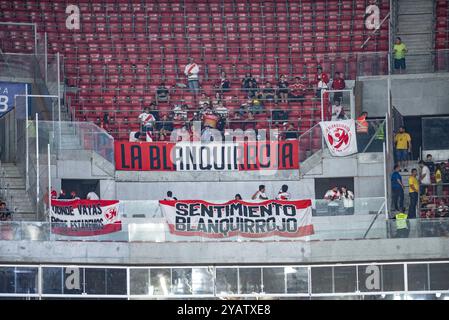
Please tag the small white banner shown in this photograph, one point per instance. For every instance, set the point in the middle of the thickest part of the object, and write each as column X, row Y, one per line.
column 340, row 137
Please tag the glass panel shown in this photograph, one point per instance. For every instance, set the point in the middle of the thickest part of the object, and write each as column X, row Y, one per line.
column 226, row 280
column 26, row 280
column 139, row 281
column 345, row 279
column 381, row 278
column 393, row 277
column 417, row 277
column 95, row 280
column 203, row 280
column 439, row 276
column 274, row 280
column 73, row 280
column 160, row 282
column 52, row 280
column 297, row 280
column 116, row 281
column 369, row 278
column 7, row 281
column 182, row 281
column 250, row 279
column 435, row 134
column 322, row 280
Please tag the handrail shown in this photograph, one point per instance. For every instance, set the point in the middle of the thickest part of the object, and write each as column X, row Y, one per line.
column 374, row 220
column 374, row 137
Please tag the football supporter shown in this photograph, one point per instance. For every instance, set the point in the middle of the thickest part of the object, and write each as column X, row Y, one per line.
column 260, row 194
column 147, row 121
column 283, row 194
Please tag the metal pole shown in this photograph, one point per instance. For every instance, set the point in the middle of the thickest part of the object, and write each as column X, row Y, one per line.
column 27, row 180
column 46, row 58
column 37, row 165
column 35, row 38
column 385, row 182
column 59, row 96
column 322, row 105
column 49, row 184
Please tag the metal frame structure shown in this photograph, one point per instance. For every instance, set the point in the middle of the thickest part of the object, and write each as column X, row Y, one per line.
column 215, row 295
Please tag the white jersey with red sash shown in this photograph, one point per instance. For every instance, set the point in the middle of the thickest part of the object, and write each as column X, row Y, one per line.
column 147, row 119
column 283, row 196
column 191, row 71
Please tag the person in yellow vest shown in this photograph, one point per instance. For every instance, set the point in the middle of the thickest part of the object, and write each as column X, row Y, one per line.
column 413, row 194
column 399, row 51
column 403, row 145
column 362, row 128
column 402, row 225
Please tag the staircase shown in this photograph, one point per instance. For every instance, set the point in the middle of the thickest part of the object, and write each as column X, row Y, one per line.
column 415, row 21
column 16, row 197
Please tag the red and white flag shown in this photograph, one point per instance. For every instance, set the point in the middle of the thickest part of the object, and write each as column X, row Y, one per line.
column 340, row 137
column 85, row 217
column 287, row 219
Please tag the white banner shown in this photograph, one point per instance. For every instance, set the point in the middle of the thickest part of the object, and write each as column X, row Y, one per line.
column 269, row 218
column 85, row 217
column 340, row 137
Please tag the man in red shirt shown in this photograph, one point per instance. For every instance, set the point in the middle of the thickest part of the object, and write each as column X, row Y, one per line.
column 297, row 91
column 338, row 83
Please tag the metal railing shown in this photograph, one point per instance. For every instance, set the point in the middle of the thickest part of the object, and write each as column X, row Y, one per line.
column 400, row 280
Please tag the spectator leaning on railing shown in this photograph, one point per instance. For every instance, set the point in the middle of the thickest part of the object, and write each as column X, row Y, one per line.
column 5, row 213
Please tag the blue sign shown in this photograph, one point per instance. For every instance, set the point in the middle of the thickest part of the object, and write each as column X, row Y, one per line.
column 7, row 92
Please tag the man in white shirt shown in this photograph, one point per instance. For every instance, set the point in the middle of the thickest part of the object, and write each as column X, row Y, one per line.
column 424, row 178
column 147, row 121
column 191, row 71
column 337, row 111
column 92, row 196
column 260, row 194
column 333, row 195
column 283, row 194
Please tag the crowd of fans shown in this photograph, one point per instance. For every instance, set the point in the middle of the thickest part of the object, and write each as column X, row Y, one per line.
column 213, row 112
column 428, row 190
column 63, row 195
column 259, row 195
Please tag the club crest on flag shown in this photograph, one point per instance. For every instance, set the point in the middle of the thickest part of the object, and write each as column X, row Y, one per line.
column 340, row 137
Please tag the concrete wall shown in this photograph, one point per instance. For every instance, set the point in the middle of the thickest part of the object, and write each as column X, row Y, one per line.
column 367, row 170
column 413, row 95
column 184, row 253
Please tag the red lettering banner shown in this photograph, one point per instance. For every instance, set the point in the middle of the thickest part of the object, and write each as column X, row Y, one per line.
column 167, row 156
column 85, row 217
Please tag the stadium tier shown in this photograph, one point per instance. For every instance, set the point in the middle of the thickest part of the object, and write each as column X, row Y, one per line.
column 124, row 49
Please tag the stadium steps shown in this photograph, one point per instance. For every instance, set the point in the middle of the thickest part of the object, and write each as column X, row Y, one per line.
column 17, row 198
column 414, row 26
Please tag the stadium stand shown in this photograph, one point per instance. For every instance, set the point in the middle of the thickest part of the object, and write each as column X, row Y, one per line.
column 125, row 49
